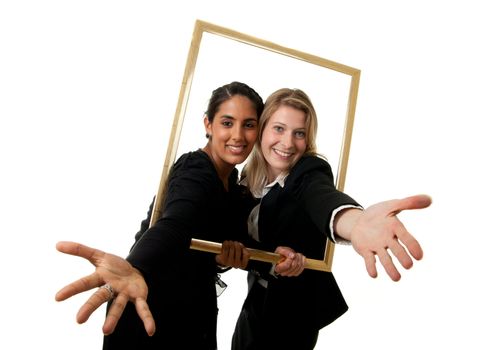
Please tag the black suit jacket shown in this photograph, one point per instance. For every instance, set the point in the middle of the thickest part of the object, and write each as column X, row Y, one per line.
column 182, row 293
column 298, row 216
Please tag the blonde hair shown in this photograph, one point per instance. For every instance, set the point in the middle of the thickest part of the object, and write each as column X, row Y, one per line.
column 256, row 168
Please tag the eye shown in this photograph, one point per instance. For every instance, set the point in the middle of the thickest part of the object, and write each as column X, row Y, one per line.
column 300, row 134
column 227, row 123
column 278, row 128
column 250, row 124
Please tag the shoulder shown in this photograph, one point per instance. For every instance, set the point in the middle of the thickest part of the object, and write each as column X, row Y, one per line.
column 310, row 176
column 194, row 170
column 195, row 159
column 308, row 166
column 196, row 163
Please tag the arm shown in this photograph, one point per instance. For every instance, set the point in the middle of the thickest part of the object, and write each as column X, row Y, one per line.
column 125, row 276
column 377, row 231
column 145, row 224
column 159, row 245
column 320, row 198
column 191, row 182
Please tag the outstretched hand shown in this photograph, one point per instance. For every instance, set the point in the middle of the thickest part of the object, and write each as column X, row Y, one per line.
column 126, row 282
column 378, row 231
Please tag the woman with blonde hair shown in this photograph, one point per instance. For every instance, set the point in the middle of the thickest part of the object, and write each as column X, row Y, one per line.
column 301, row 208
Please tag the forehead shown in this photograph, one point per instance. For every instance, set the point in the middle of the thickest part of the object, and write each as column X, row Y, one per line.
column 289, row 116
column 239, row 107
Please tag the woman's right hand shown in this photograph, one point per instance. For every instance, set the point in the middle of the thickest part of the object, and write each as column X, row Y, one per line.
column 292, row 264
column 127, row 284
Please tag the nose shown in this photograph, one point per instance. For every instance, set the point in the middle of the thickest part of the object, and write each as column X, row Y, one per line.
column 287, row 140
column 237, row 133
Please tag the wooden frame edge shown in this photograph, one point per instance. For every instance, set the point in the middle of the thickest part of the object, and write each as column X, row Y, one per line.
column 202, row 27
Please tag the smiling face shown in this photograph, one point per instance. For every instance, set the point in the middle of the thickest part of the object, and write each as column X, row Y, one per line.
column 232, row 133
column 283, row 140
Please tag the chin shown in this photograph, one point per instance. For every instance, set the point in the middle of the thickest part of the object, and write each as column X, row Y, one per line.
column 236, row 159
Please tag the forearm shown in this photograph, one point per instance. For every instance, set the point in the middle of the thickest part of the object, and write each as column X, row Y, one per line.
column 162, row 243
column 145, row 224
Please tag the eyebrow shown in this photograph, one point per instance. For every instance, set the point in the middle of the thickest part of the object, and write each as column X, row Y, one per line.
column 284, row 124
column 280, row 123
column 227, row 116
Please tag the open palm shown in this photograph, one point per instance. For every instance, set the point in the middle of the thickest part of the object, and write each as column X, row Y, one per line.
column 379, row 232
column 126, row 281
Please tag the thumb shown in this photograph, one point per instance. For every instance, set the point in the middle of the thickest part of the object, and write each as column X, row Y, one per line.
column 285, row 252
column 413, row 202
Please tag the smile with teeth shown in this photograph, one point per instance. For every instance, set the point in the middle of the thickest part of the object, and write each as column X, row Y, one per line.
column 236, row 149
column 282, row 154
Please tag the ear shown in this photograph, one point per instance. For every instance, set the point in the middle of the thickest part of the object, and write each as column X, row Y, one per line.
column 208, row 126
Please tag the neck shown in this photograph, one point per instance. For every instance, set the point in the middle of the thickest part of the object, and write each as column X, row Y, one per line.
column 223, row 169
column 272, row 176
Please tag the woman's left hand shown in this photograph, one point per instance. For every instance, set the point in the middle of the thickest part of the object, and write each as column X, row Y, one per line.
column 378, row 231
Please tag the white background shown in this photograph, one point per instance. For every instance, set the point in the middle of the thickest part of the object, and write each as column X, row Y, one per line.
column 87, row 93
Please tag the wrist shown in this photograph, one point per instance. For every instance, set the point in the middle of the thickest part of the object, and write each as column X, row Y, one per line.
column 345, row 221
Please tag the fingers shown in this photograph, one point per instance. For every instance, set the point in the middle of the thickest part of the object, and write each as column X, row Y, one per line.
column 370, row 262
column 413, row 202
column 233, row 254
column 401, row 254
column 292, row 265
column 101, row 296
column 82, row 285
column 385, row 258
column 386, row 261
column 145, row 314
column 402, row 240
column 114, row 313
column 297, row 266
column 245, row 258
column 389, row 266
column 77, row 249
column 283, row 265
column 379, row 232
column 285, row 251
column 409, row 241
column 117, row 308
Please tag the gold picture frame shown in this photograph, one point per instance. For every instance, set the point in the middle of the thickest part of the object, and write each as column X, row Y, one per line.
column 232, row 47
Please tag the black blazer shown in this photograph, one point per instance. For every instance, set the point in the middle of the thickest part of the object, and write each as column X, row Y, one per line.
column 298, row 216
column 182, row 293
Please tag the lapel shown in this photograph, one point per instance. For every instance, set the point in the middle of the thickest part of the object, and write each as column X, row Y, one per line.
column 269, row 210
column 272, row 207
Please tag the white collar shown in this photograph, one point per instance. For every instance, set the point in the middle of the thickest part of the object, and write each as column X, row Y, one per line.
column 280, row 179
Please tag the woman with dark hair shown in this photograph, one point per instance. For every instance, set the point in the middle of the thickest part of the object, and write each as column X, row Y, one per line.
column 203, row 200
